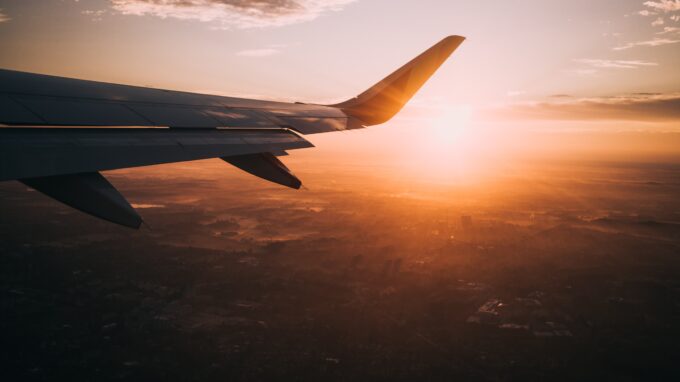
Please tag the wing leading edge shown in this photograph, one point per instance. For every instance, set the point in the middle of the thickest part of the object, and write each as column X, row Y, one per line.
column 60, row 132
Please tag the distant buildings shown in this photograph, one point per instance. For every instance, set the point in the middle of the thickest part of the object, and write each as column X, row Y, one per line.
column 522, row 314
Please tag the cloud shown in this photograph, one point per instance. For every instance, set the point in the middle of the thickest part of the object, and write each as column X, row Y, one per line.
column 264, row 52
column 653, row 42
column 95, row 15
column 3, row 17
column 515, row 93
column 647, row 107
column 664, row 5
column 669, row 30
column 225, row 14
column 659, row 7
column 583, row 72
column 614, row 64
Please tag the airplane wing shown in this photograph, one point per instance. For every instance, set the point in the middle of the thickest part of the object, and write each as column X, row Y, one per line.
column 58, row 133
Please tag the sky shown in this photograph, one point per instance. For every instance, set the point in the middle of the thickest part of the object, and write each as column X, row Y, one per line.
column 600, row 65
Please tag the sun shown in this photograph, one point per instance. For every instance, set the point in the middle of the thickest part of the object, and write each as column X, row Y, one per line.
column 451, row 127
column 444, row 148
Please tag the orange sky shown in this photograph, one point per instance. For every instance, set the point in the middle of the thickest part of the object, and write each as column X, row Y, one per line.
column 527, row 66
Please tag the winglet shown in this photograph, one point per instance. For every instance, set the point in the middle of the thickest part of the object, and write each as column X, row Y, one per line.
column 383, row 100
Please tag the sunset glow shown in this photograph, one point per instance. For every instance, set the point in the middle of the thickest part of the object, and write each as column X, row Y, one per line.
column 571, row 82
column 446, row 148
column 442, row 190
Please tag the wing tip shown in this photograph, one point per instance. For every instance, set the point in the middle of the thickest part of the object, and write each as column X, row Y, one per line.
column 454, row 38
column 452, row 42
column 386, row 98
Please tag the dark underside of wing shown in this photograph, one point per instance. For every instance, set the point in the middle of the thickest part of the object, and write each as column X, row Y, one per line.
column 37, row 152
column 64, row 163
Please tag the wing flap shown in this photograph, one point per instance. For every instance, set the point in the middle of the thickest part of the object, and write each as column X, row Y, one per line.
column 39, row 152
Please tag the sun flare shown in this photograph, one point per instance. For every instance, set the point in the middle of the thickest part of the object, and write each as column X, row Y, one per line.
column 443, row 149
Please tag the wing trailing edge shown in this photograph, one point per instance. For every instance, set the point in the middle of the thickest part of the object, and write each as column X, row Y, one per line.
column 42, row 152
